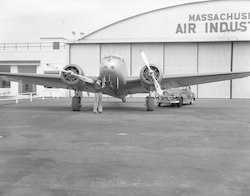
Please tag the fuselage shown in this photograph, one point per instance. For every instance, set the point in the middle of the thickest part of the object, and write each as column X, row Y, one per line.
column 113, row 73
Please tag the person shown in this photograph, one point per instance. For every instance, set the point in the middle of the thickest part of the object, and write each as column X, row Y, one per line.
column 98, row 103
column 98, row 98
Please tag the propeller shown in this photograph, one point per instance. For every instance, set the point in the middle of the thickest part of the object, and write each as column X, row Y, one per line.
column 83, row 78
column 151, row 74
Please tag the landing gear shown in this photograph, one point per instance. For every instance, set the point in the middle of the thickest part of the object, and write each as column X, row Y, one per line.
column 150, row 103
column 76, row 102
column 124, row 100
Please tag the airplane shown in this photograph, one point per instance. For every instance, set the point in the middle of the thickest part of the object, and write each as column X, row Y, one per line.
column 113, row 80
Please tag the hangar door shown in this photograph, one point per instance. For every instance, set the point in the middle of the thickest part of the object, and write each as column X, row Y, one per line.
column 181, row 58
column 214, row 57
column 87, row 56
column 241, row 62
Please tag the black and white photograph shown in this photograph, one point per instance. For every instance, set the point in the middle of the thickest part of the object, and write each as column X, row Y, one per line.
column 125, row 98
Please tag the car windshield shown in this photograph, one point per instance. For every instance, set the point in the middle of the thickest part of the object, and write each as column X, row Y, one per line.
column 176, row 89
column 180, row 88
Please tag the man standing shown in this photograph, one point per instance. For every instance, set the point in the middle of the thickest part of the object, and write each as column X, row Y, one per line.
column 98, row 99
column 98, row 103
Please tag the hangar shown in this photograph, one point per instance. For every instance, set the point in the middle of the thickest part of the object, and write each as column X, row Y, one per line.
column 195, row 37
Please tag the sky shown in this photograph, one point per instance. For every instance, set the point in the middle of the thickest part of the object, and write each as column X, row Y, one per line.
column 25, row 21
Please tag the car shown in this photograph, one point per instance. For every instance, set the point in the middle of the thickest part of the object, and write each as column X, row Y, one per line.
column 177, row 96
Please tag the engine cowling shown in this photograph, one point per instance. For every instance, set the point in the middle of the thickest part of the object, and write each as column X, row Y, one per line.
column 146, row 79
column 69, row 79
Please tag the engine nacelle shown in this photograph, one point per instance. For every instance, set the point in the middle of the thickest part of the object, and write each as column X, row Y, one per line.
column 146, row 80
column 70, row 79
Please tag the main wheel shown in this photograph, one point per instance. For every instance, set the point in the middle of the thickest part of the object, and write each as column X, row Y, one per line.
column 150, row 102
column 76, row 103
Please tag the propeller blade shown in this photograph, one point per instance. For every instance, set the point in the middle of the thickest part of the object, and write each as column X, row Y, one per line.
column 158, row 87
column 56, row 68
column 83, row 78
column 156, row 84
column 145, row 59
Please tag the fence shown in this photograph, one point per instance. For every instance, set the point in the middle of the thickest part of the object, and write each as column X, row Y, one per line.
column 27, row 96
column 33, row 46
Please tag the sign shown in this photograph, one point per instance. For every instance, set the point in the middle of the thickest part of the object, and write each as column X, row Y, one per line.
column 216, row 23
column 213, row 21
column 191, row 22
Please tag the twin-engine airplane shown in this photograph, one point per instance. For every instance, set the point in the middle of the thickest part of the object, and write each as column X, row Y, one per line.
column 113, row 80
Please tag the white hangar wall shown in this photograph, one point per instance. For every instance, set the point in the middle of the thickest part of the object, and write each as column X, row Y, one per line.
column 241, row 62
column 161, row 34
column 220, row 20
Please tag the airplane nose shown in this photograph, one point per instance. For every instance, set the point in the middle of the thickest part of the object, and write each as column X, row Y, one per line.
column 110, row 67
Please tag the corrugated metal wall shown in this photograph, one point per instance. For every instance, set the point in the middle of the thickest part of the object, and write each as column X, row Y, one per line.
column 181, row 58
column 176, row 58
column 241, row 62
column 214, row 57
column 87, row 56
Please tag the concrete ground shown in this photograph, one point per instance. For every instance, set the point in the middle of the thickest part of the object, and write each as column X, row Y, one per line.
column 201, row 149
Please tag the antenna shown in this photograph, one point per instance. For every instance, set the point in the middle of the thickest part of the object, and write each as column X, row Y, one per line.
column 74, row 34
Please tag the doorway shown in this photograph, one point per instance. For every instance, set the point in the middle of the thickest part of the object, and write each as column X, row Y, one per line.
column 24, row 87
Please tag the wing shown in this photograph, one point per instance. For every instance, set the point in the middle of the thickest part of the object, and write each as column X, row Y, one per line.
column 200, row 78
column 49, row 80
column 170, row 81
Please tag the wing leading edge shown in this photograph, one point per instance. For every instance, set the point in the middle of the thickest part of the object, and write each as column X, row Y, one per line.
column 200, row 78
column 49, row 80
column 170, row 81
column 133, row 83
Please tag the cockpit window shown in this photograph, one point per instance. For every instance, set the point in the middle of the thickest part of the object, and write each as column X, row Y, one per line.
column 115, row 57
column 107, row 57
column 118, row 58
column 122, row 60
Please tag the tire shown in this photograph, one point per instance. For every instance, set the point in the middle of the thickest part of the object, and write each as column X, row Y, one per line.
column 150, row 102
column 159, row 104
column 76, row 103
column 192, row 101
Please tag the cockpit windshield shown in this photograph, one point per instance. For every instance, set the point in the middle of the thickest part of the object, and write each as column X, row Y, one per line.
column 115, row 57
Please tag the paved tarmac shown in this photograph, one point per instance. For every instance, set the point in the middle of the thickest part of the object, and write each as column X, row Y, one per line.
column 201, row 149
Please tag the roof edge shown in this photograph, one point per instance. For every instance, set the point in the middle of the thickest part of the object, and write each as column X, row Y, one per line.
column 170, row 6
